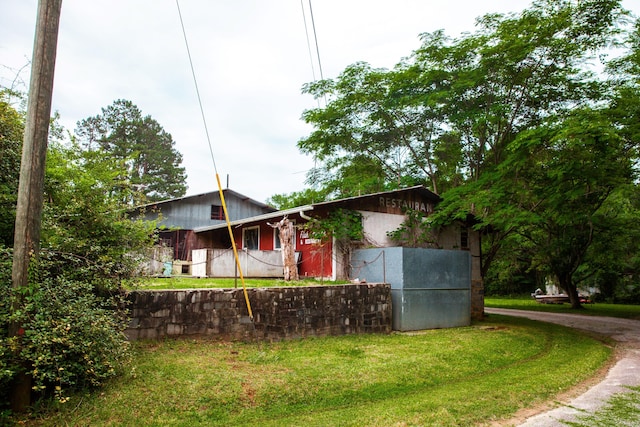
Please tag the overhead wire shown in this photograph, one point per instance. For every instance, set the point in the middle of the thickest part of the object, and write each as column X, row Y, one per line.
column 315, row 36
column 222, row 199
column 306, row 33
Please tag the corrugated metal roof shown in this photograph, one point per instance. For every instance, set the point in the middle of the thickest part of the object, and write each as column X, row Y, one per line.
column 257, row 218
column 225, row 191
column 428, row 193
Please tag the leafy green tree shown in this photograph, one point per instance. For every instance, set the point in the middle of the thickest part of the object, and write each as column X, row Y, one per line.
column 369, row 123
column 297, row 198
column 613, row 265
column 82, row 217
column 73, row 312
column 552, row 189
column 11, row 134
column 448, row 112
column 152, row 165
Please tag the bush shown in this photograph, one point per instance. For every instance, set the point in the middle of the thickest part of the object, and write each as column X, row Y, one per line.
column 72, row 337
column 71, row 333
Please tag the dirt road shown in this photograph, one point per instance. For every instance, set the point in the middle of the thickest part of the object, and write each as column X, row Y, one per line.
column 625, row 372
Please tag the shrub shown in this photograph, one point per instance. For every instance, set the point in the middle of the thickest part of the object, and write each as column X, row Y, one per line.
column 71, row 333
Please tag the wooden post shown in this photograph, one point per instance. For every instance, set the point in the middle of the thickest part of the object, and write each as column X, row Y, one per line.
column 34, row 152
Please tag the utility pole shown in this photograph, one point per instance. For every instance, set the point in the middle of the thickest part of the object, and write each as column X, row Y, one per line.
column 34, row 152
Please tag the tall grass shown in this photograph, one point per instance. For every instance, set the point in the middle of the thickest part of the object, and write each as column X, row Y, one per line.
column 449, row 377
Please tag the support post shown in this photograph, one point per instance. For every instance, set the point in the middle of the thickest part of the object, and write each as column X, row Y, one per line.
column 34, row 152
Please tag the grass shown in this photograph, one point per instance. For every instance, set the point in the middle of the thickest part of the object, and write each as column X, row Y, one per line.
column 598, row 309
column 621, row 410
column 199, row 283
column 449, row 377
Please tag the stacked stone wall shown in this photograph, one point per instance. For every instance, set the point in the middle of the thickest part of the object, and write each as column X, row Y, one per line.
column 278, row 313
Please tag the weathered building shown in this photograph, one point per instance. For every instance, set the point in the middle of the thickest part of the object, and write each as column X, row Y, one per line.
column 199, row 235
column 177, row 218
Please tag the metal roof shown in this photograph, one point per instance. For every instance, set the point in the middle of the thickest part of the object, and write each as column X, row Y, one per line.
column 225, row 191
column 300, row 210
column 276, row 214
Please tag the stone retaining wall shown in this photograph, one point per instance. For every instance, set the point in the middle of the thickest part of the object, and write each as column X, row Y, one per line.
column 279, row 313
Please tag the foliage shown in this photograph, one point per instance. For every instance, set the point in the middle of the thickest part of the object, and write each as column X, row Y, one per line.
column 297, row 198
column 11, row 134
column 8, row 365
column 492, row 121
column 415, row 231
column 511, row 272
column 146, row 152
column 345, row 227
column 613, row 265
column 81, row 217
column 549, row 196
column 72, row 331
column 563, row 175
column 71, row 312
column 447, row 113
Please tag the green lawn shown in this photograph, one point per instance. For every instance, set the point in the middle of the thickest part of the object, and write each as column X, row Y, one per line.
column 597, row 309
column 448, row 377
column 199, row 283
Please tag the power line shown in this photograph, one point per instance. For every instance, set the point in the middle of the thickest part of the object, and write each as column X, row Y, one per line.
column 195, row 82
column 306, row 32
column 221, row 192
column 315, row 36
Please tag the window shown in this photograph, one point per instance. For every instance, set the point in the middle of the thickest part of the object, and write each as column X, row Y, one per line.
column 276, row 237
column 217, row 212
column 250, row 238
column 464, row 238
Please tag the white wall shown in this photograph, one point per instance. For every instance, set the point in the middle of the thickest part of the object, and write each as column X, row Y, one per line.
column 376, row 225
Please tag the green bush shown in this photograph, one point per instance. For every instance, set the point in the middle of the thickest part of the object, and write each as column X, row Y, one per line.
column 71, row 332
column 72, row 337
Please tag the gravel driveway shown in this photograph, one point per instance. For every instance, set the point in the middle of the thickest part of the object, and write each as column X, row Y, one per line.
column 625, row 372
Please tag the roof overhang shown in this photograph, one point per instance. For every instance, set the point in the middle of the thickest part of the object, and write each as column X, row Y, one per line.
column 259, row 218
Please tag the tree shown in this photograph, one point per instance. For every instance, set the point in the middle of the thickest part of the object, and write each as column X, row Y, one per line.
column 151, row 163
column 612, row 266
column 297, row 198
column 73, row 316
column 447, row 113
column 369, row 125
column 11, row 134
column 82, row 217
column 287, row 234
column 552, row 190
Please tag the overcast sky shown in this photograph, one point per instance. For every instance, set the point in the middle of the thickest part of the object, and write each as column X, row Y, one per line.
column 251, row 60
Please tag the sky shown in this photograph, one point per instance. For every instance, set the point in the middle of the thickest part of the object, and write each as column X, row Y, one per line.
column 251, row 59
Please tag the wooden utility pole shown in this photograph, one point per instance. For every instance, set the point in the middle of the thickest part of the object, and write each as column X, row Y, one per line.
column 34, row 152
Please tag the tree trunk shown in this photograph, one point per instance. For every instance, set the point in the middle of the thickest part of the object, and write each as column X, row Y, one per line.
column 287, row 234
column 570, row 288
